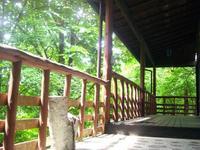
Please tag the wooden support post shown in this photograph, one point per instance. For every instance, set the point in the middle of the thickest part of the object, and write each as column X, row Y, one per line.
column 100, row 40
column 115, row 100
column 142, row 77
column 82, row 111
column 122, row 100
column 107, row 56
column 198, row 73
column 9, row 135
column 67, row 85
column 154, row 81
column 197, row 85
column 96, row 108
column 43, row 111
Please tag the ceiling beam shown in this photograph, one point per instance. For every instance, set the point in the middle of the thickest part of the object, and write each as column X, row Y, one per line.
column 125, row 11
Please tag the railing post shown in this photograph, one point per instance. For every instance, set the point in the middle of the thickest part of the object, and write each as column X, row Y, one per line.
column 115, row 100
column 82, row 110
column 43, row 110
column 122, row 100
column 198, row 72
column 13, row 91
column 132, row 102
column 96, row 108
column 107, row 56
column 127, row 101
column 67, row 85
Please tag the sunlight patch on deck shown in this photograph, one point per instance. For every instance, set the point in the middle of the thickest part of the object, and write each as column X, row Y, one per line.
column 119, row 142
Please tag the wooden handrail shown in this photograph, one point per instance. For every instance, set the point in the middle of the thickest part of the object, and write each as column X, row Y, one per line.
column 129, row 99
column 177, row 105
column 175, row 96
column 13, row 54
column 12, row 99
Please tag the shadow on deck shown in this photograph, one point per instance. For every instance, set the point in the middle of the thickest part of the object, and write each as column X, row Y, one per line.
column 149, row 133
column 185, row 127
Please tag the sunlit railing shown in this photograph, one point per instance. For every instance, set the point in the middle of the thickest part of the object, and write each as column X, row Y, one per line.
column 12, row 99
column 185, row 105
column 128, row 100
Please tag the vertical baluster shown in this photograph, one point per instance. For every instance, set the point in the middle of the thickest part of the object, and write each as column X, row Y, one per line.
column 115, row 101
column 136, row 102
column 82, row 110
column 67, row 85
column 96, row 107
column 164, row 103
column 43, row 110
column 127, row 101
column 122, row 99
column 131, row 101
column 13, row 91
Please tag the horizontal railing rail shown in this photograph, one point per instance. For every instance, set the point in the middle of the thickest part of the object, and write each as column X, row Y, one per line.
column 13, row 99
column 128, row 100
column 173, row 105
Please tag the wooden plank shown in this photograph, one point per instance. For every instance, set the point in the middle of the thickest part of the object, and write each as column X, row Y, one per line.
column 87, row 132
column 27, row 124
column 43, row 110
column 127, row 101
column 101, row 104
column 132, row 102
column 12, row 105
column 82, row 109
column 100, row 117
column 89, row 104
column 2, row 125
column 154, row 81
column 22, row 100
column 88, row 118
column 115, row 100
column 73, row 103
column 100, row 129
column 122, row 100
column 177, row 97
column 67, row 87
column 30, row 145
column 28, row 101
column 120, row 77
column 13, row 54
column 96, row 107
column 3, row 99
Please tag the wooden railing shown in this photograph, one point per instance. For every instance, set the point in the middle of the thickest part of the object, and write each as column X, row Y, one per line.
column 173, row 105
column 128, row 100
column 12, row 99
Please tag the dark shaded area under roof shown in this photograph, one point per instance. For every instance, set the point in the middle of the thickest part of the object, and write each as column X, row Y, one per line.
column 169, row 28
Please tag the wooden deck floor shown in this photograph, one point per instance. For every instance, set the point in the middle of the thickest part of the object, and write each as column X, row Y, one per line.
column 148, row 133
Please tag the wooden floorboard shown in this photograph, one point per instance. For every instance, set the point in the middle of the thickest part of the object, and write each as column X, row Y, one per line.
column 131, row 142
column 159, row 126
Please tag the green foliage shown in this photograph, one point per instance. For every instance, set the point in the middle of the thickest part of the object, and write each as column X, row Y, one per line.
column 26, row 135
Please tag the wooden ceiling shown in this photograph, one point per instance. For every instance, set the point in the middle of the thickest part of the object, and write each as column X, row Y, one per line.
column 168, row 27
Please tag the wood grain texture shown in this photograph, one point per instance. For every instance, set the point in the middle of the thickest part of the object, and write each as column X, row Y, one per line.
column 13, row 54
column 43, row 110
column 12, row 105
